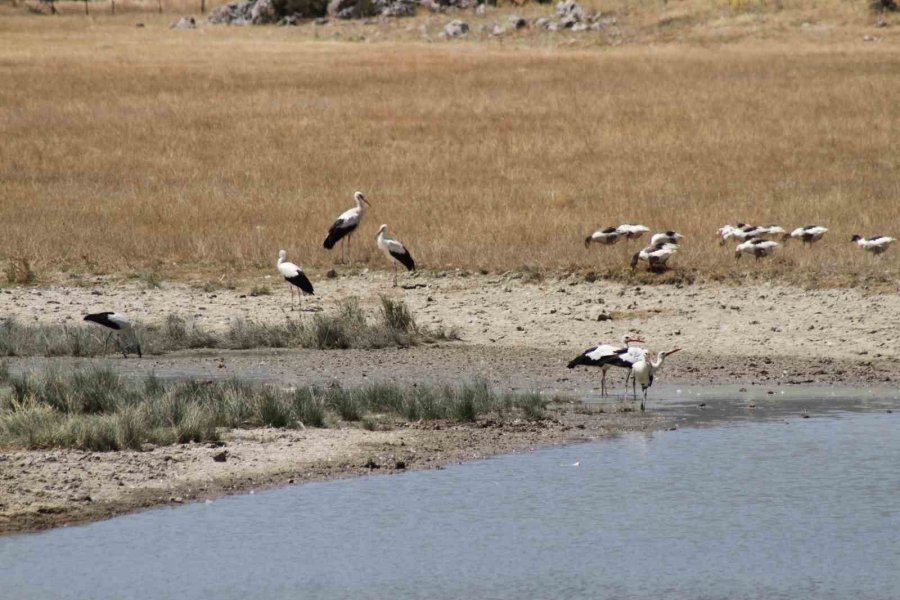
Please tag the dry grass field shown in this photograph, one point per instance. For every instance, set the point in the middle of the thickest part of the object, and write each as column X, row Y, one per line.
column 130, row 149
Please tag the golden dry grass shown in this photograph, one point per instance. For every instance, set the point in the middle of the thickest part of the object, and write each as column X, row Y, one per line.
column 126, row 149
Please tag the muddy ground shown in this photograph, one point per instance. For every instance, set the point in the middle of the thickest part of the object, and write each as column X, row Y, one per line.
column 518, row 335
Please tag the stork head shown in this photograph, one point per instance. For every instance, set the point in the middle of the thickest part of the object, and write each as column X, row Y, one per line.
column 628, row 339
column 856, row 237
column 785, row 237
column 382, row 229
column 358, row 196
column 738, row 252
column 282, row 255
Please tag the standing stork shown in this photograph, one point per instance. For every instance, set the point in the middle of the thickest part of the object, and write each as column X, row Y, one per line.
column 808, row 234
column 395, row 251
column 876, row 245
column 294, row 277
column 606, row 237
column 345, row 225
column 117, row 323
column 644, row 370
column 607, row 355
column 656, row 256
column 632, row 231
column 757, row 247
column 666, row 237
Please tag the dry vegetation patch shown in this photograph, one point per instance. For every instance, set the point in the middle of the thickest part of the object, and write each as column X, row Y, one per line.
column 126, row 149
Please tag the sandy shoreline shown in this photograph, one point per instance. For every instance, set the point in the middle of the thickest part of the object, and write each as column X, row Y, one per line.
column 517, row 335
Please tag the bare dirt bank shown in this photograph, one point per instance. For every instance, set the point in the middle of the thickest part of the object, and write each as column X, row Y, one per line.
column 41, row 489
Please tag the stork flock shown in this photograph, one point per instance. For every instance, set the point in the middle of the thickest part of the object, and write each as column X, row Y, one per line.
column 758, row 241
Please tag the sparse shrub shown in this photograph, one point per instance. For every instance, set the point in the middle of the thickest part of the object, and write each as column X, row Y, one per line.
column 396, row 316
column 19, row 271
column 260, row 290
column 152, row 279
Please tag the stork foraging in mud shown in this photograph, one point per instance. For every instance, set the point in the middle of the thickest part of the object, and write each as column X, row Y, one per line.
column 876, row 245
column 395, row 251
column 607, row 355
column 342, row 229
column 117, row 323
column 644, row 371
column 757, row 247
column 295, row 277
column 808, row 234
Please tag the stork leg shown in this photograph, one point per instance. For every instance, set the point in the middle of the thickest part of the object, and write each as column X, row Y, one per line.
column 350, row 249
column 395, row 272
column 120, row 347
column 603, row 385
column 106, row 343
column 644, row 400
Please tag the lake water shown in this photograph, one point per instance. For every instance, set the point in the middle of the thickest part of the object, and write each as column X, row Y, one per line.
column 789, row 508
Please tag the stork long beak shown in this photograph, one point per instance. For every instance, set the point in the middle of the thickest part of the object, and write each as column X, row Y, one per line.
column 364, row 199
column 673, row 351
column 636, row 340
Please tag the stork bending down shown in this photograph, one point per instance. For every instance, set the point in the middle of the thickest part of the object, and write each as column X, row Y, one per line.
column 606, row 356
column 117, row 323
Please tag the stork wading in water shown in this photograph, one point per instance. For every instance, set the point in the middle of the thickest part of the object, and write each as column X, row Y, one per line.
column 607, row 355
column 604, row 237
column 342, row 229
column 757, row 247
column 656, row 256
column 395, row 251
column 295, row 278
column 117, row 323
column 644, row 370
column 876, row 245
column 808, row 234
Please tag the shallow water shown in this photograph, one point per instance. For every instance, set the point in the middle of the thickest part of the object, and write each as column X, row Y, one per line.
column 795, row 508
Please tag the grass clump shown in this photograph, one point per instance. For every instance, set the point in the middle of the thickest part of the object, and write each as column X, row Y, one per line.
column 347, row 327
column 98, row 410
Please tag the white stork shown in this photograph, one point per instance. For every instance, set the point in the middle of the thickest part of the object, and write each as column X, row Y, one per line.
column 656, row 256
column 757, row 247
column 346, row 224
column 741, row 232
column 117, row 323
column 807, row 234
column 395, row 251
column 666, row 237
column 606, row 237
column 632, row 231
column 607, row 355
column 876, row 244
column 644, row 370
column 294, row 277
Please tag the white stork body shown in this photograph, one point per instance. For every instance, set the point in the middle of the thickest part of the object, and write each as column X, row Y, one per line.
column 807, row 235
column 644, row 370
column 773, row 230
column 117, row 323
column 757, row 247
column 666, row 237
column 606, row 237
column 876, row 245
column 395, row 251
column 655, row 256
column 342, row 229
column 632, row 231
column 294, row 277
column 607, row 355
column 740, row 232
